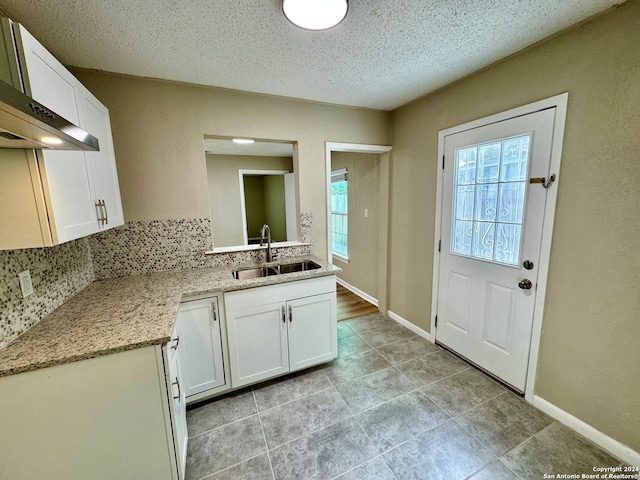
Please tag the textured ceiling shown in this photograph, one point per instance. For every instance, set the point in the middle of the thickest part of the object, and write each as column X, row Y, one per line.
column 385, row 53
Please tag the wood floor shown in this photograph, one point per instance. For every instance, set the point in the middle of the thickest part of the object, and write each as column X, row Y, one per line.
column 351, row 305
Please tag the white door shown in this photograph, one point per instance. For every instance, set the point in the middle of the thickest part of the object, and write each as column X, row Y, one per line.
column 492, row 219
column 201, row 358
column 257, row 343
column 312, row 330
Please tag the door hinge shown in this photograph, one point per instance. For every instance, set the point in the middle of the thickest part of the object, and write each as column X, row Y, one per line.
column 439, row 245
column 443, row 162
column 436, row 320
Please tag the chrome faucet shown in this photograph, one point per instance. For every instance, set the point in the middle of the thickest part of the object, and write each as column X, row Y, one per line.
column 267, row 230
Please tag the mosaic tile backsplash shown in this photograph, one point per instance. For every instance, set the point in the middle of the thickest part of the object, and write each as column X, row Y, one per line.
column 57, row 274
column 161, row 245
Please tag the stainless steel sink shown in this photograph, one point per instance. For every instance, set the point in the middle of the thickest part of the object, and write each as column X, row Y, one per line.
column 297, row 267
column 258, row 272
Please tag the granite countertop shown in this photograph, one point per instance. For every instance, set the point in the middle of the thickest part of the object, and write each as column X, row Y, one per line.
column 121, row 314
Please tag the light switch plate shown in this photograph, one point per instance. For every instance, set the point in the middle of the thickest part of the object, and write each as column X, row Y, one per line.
column 25, row 283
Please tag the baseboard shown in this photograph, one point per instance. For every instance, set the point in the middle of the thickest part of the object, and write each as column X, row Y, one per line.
column 414, row 328
column 615, row 448
column 357, row 291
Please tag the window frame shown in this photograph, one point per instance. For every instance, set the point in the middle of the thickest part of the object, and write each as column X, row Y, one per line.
column 339, row 176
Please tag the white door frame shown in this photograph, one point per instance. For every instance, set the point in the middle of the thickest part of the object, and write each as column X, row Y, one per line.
column 243, row 206
column 383, row 205
column 560, row 103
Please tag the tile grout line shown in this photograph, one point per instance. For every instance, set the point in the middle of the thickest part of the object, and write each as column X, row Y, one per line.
column 264, row 435
column 495, row 456
column 307, row 434
column 464, row 412
column 221, row 426
column 414, row 436
column 230, row 467
column 317, row 429
column 296, row 399
column 366, row 435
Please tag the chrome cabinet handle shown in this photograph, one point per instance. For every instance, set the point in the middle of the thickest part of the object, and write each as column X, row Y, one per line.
column 290, row 314
column 102, row 214
column 106, row 213
column 177, row 342
column 215, row 312
column 284, row 315
column 177, row 383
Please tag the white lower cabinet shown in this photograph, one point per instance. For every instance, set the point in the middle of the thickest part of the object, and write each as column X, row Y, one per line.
column 114, row 416
column 280, row 328
column 176, row 399
column 201, row 330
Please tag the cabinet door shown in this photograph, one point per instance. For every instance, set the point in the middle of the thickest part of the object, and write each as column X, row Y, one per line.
column 65, row 176
column 178, row 406
column 201, row 346
column 94, row 117
column 312, row 330
column 257, row 343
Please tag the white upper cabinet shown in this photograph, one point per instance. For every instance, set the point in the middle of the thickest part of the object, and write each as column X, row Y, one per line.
column 75, row 194
column 94, row 117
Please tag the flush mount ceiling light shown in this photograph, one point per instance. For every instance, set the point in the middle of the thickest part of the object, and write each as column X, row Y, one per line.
column 315, row 14
column 243, row 140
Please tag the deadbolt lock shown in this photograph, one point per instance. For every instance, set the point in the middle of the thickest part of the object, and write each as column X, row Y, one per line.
column 528, row 264
column 525, row 284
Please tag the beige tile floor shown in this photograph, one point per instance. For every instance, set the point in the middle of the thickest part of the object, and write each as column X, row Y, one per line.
column 392, row 406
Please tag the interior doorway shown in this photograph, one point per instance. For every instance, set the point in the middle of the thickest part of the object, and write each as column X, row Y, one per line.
column 379, row 203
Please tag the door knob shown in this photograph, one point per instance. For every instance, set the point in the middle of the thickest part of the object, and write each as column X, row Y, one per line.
column 525, row 284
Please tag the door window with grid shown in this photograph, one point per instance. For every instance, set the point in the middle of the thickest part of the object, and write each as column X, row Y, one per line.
column 489, row 189
column 339, row 214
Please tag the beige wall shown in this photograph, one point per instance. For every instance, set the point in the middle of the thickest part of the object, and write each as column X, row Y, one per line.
column 158, row 130
column 589, row 355
column 224, row 192
column 274, row 207
column 363, row 173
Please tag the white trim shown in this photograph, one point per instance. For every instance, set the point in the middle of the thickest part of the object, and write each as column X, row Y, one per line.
column 614, row 447
column 414, row 328
column 357, row 291
column 559, row 102
column 337, row 256
column 383, row 199
column 357, row 148
column 545, row 244
column 243, row 207
column 246, row 248
column 343, row 147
